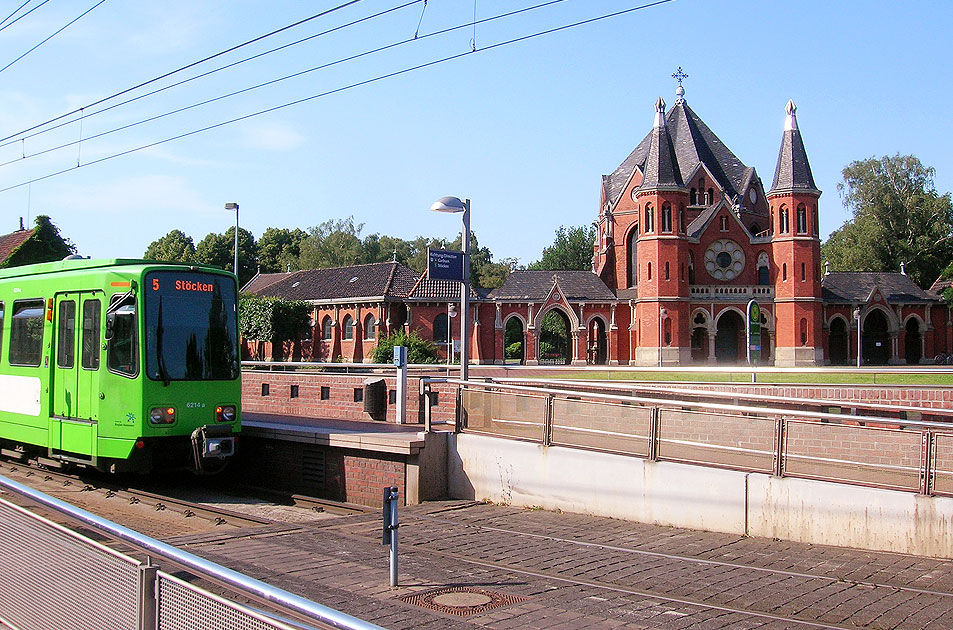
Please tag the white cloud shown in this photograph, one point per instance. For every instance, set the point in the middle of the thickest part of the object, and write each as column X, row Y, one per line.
column 271, row 136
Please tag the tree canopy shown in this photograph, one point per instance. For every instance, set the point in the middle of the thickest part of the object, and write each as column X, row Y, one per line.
column 572, row 250
column 175, row 246
column 46, row 244
column 279, row 249
column 219, row 250
column 898, row 217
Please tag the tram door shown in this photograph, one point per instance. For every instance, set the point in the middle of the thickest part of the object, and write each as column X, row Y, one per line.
column 77, row 320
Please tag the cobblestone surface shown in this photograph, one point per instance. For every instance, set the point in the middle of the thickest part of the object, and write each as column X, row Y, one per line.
column 577, row 571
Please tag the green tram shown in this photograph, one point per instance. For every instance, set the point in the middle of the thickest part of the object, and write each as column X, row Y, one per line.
column 121, row 365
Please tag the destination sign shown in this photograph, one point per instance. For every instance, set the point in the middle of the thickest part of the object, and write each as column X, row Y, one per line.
column 188, row 286
column 445, row 264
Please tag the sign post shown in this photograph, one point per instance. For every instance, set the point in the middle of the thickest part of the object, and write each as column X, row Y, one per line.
column 445, row 264
column 389, row 529
column 400, row 360
column 753, row 313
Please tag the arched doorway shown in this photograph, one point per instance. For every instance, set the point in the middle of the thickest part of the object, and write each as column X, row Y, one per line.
column 838, row 342
column 876, row 340
column 699, row 338
column 514, row 341
column 912, row 342
column 554, row 339
column 597, row 352
column 729, row 337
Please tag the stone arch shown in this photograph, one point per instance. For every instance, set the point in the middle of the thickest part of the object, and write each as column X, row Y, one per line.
column 516, row 322
column 838, row 340
column 729, row 335
column 877, row 326
column 597, row 347
column 913, row 330
column 562, row 351
column 701, row 332
column 631, row 255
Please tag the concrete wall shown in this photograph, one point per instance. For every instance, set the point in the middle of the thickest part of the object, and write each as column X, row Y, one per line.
column 681, row 495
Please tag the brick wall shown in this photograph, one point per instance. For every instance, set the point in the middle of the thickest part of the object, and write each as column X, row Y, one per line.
column 340, row 403
column 913, row 395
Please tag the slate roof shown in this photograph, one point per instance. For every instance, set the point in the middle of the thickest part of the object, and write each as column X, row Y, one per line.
column 855, row 286
column 442, row 290
column 536, row 285
column 388, row 280
column 262, row 280
column 9, row 242
column 793, row 171
column 661, row 163
column 693, row 143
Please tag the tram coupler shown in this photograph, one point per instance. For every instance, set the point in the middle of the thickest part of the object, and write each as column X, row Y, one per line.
column 211, row 442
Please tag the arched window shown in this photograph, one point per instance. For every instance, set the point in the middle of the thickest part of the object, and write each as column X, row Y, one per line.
column 755, row 229
column 693, row 197
column 347, row 328
column 441, row 328
column 666, row 217
column 764, row 276
column 817, row 228
column 326, row 327
column 681, row 219
column 649, row 218
column 650, row 271
column 667, row 277
column 709, row 196
column 691, row 267
column 803, row 272
column 785, row 225
column 771, row 229
column 370, row 327
column 633, row 257
column 801, row 219
column 784, row 271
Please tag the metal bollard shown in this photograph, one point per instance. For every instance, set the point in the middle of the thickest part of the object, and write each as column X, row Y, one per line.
column 389, row 529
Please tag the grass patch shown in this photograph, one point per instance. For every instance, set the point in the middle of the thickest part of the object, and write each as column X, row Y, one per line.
column 794, row 378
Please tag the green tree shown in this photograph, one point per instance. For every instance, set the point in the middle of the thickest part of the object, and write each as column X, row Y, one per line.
column 898, row 218
column 483, row 271
column 334, row 243
column 175, row 246
column 572, row 250
column 44, row 245
column 279, row 249
column 219, row 250
column 419, row 350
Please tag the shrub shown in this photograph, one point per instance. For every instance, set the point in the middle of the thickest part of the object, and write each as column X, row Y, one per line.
column 418, row 349
column 514, row 350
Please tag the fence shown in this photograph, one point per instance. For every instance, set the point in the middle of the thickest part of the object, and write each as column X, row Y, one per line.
column 876, row 451
column 53, row 578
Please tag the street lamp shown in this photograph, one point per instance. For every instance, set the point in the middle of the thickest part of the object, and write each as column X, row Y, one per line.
column 451, row 314
column 857, row 317
column 231, row 205
column 662, row 314
column 454, row 205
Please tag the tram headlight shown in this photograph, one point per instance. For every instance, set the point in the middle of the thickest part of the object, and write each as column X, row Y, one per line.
column 162, row 415
column 225, row 413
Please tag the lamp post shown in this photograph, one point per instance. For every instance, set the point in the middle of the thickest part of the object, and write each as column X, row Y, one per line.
column 451, row 314
column 662, row 314
column 859, row 329
column 231, row 205
column 454, row 205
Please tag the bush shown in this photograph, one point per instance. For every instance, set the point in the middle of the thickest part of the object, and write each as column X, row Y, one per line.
column 514, row 350
column 418, row 349
column 547, row 350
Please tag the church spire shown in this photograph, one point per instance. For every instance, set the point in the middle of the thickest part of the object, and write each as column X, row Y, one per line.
column 793, row 172
column 661, row 166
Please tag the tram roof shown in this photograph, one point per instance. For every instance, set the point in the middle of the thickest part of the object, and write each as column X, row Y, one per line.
column 75, row 264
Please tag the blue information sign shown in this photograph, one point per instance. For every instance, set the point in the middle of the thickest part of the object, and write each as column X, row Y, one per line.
column 445, row 264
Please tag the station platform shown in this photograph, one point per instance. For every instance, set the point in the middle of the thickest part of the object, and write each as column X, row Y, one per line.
column 382, row 437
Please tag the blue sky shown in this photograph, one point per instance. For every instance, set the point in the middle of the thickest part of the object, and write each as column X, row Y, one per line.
column 524, row 130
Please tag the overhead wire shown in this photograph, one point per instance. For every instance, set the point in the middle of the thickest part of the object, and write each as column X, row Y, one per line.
column 324, row 66
column 22, row 16
column 15, row 11
column 344, row 88
column 57, row 32
column 182, row 68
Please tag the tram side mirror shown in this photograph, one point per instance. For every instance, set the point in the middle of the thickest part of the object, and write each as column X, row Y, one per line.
column 110, row 325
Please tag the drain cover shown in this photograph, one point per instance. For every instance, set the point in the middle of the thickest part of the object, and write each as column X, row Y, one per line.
column 461, row 601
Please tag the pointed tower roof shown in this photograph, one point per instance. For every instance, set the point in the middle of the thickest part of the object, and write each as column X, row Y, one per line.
column 661, row 165
column 793, row 172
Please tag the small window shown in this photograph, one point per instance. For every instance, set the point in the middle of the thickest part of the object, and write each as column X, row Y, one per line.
column 724, row 224
column 294, row 391
column 26, row 333
column 817, row 227
column 325, row 392
column 649, row 218
column 666, row 271
column 803, row 276
column 650, row 271
column 693, row 197
column 803, row 332
column 681, row 220
column 801, row 220
column 785, row 222
column 348, row 328
column 370, row 327
column 763, row 275
column 709, row 196
column 666, row 217
column 326, row 327
column 265, row 389
column 441, row 328
column 65, row 333
column 122, row 356
column 784, row 271
column 91, row 326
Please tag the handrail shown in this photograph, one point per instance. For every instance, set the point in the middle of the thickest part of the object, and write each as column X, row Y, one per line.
column 661, row 402
column 232, row 578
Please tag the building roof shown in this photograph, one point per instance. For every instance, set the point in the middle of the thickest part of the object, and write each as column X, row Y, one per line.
column 262, row 280
column 375, row 280
column 536, row 286
column 437, row 290
column 661, row 163
column 9, row 242
column 694, row 143
column 793, row 171
column 856, row 286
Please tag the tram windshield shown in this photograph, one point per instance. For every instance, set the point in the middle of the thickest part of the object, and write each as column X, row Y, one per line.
column 191, row 326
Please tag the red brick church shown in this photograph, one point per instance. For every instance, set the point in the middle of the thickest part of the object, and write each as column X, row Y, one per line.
column 687, row 236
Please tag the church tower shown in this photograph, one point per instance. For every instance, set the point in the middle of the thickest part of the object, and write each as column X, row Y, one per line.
column 796, row 246
column 662, row 311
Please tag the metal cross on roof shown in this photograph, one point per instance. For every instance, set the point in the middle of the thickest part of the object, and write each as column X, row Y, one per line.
column 680, row 75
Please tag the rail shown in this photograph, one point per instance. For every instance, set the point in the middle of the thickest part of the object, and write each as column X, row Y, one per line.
column 879, row 451
column 129, row 594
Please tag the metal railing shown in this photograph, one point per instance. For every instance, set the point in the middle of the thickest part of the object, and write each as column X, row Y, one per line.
column 53, row 578
column 877, row 451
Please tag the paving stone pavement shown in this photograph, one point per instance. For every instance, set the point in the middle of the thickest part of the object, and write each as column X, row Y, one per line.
column 577, row 571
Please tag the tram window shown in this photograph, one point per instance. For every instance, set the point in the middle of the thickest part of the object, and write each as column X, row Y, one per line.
column 123, row 354
column 66, row 334
column 26, row 333
column 91, row 312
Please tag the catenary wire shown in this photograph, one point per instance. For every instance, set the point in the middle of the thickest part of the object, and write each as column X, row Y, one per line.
column 54, row 34
column 340, row 89
column 253, row 87
column 88, row 115
column 181, row 69
column 22, row 16
column 15, row 11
